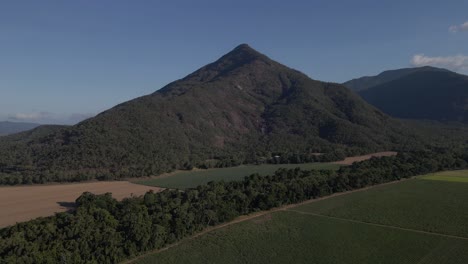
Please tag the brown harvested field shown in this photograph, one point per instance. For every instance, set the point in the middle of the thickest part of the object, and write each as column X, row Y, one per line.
column 23, row 203
column 351, row 160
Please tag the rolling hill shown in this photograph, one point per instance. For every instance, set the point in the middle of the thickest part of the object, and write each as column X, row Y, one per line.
column 239, row 109
column 7, row 127
column 366, row 82
column 417, row 93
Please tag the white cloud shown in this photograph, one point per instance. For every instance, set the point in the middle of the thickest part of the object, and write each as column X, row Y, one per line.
column 455, row 63
column 31, row 117
column 456, row 28
column 50, row 118
column 453, row 29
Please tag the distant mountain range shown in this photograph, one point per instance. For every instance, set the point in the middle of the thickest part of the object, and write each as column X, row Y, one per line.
column 417, row 93
column 7, row 127
column 366, row 82
column 242, row 108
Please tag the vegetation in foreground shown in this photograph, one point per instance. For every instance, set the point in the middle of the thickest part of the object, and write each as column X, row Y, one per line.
column 102, row 230
column 296, row 236
column 291, row 237
column 192, row 179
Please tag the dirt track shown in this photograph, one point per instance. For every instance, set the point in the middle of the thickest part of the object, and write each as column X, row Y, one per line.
column 351, row 160
column 23, row 203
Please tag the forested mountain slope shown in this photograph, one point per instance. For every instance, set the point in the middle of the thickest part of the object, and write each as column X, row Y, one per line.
column 366, row 82
column 425, row 93
column 242, row 108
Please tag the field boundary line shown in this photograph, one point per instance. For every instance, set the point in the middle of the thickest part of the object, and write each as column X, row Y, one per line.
column 345, row 162
column 244, row 218
column 378, row 225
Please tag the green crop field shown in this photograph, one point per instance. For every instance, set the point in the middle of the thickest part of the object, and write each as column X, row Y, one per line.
column 385, row 224
column 428, row 205
column 188, row 179
column 453, row 176
column 290, row 237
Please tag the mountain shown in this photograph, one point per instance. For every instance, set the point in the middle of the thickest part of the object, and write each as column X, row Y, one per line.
column 242, row 108
column 366, row 82
column 419, row 93
column 7, row 127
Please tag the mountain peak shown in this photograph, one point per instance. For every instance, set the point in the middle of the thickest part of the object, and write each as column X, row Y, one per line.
column 231, row 111
column 242, row 54
column 245, row 48
column 238, row 58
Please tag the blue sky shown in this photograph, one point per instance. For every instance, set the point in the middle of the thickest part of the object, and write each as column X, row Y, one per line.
column 61, row 61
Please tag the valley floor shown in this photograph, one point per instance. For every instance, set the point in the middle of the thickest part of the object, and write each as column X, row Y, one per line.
column 23, row 203
column 193, row 178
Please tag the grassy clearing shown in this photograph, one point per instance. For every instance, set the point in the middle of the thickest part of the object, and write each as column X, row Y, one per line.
column 289, row 237
column 188, row 179
column 433, row 206
column 452, row 176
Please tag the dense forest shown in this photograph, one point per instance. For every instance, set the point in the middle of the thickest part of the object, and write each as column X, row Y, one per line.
column 421, row 93
column 103, row 230
column 242, row 108
column 367, row 82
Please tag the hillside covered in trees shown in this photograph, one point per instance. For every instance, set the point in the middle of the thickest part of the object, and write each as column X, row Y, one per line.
column 243, row 108
column 417, row 93
column 363, row 83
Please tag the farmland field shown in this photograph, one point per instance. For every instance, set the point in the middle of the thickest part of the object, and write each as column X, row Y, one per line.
column 290, row 237
column 23, row 203
column 188, row 179
column 428, row 205
column 413, row 221
column 453, row 176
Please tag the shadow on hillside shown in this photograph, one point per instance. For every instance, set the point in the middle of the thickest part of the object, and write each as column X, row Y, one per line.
column 70, row 206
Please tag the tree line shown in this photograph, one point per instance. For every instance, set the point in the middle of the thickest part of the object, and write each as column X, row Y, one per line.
column 103, row 230
column 17, row 167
